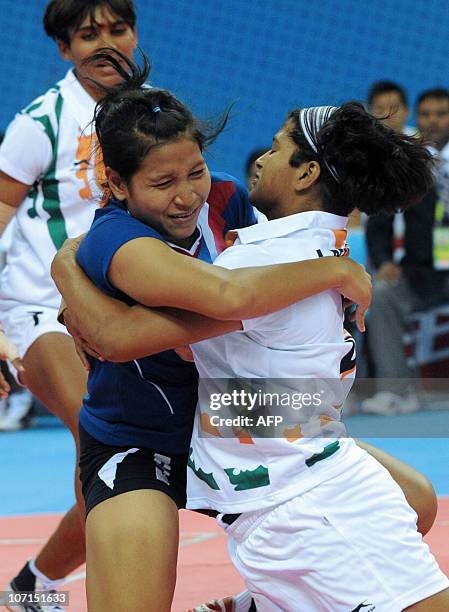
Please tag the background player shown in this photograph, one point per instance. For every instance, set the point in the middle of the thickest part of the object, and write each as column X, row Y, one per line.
column 49, row 180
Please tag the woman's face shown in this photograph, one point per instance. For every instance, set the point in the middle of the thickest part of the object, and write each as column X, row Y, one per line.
column 169, row 189
column 107, row 30
column 272, row 187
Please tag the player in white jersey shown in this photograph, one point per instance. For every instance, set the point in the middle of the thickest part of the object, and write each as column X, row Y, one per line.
column 250, row 355
column 50, row 179
column 321, row 526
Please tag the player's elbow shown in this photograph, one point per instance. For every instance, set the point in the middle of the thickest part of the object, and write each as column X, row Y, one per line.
column 127, row 343
column 113, row 353
column 118, row 350
column 110, row 343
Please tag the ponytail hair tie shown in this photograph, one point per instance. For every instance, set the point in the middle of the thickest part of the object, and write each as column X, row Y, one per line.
column 157, row 109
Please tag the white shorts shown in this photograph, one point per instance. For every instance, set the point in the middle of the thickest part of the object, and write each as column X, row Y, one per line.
column 349, row 544
column 25, row 324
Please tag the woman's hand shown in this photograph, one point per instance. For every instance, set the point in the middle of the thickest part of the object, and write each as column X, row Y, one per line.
column 83, row 349
column 356, row 286
column 65, row 257
column 9, row 352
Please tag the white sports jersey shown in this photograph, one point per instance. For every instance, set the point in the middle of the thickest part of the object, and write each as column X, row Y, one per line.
column 243, row 472
column 51, row 146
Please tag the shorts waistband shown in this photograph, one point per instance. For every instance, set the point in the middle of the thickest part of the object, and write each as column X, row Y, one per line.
column 238, row 525
column 241, row 527
column 224, row 518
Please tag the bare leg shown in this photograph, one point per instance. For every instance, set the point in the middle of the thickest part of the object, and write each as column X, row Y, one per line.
column 436, row 603
column 65, row 550
column 132, row 548
column 55, row 375
column 417, row 488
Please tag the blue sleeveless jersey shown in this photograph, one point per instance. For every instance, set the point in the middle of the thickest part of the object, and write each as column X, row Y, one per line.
column 150, row 402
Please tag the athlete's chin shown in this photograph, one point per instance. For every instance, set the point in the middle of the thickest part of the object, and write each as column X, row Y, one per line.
column 107, row 79
column 182, row 232
column 253, row 193
column 257, row 201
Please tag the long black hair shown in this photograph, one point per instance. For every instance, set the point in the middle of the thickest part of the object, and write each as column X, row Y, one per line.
column 132, row 117
column 378, row 170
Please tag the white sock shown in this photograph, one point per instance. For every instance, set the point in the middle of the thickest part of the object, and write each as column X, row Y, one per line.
column 242, row 601
column 47, row 584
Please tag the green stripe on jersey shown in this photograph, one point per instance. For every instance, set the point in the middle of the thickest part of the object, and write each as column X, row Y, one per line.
column 34, row 105
column 29, row 109
column 206, row 477
column 248, row 479
column 44, row 120
column 50, row 188
column 328, row 450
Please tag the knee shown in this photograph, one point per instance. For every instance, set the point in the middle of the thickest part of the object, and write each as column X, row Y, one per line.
column 426, row 503
column 69, row 413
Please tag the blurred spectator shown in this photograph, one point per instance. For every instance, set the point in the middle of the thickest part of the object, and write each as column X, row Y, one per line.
column 388, row 101
column 421, row 280
column 250, row 165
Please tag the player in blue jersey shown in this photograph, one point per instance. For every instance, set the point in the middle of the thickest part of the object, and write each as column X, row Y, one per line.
column 136, row 420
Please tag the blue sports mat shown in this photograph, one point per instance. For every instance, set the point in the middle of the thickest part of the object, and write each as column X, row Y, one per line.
column 36, row 465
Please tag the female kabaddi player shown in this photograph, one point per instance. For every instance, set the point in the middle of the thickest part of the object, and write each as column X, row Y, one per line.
column 313, row 524
column 166, row 157
column 48, row 180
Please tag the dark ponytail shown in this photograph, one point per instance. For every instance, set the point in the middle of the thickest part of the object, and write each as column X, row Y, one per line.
column 132, row 117
column 379, row 171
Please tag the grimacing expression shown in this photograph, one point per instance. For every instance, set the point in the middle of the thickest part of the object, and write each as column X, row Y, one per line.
column 433, row 120
column 168, row 190
column 108, row 30
column 275, row 178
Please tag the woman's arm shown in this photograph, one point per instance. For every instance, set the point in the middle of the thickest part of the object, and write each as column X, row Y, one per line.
column 25, row 154
column 12, row 193
column 119, row 333
column 122, row 333
column 155, row 275
column 106, row 327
